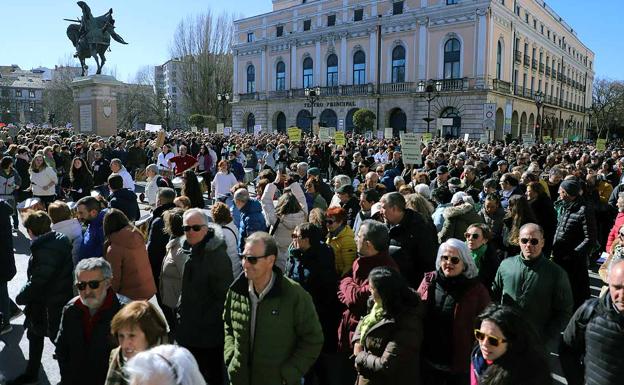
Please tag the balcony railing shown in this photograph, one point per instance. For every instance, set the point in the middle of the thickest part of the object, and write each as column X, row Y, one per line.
column 281, row 94
column 527, row 60
column 397, row 88
column 501, row 86
column 357, row 89
column 250, row 96
column 518, row 56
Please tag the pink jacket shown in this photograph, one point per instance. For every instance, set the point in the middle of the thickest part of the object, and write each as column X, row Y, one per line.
column 619, row 221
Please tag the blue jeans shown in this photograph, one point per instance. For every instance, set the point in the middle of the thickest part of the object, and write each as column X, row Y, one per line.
column 4, row 304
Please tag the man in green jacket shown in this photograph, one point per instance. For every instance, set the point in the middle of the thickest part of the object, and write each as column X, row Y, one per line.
column 272, row 332
column 535, row 285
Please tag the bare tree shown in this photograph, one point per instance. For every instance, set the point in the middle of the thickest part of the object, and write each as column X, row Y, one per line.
column 203, row 44
column 57, row 96
column 608, row 104
column 138, row 102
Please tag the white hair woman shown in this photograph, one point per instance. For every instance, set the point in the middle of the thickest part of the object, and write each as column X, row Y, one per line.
column 164, row 365
column 454, row 297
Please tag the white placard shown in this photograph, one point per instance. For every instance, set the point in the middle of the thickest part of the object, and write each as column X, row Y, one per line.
column 227, row 131
column 410, row 148
column 380, row 135
column 388, row 133
column 340, row 124
column 152, row 127
column 86, row 118
column 220, row 127
column 206, row 130
column 324, row 134
column 466, row 136
column 257, row 129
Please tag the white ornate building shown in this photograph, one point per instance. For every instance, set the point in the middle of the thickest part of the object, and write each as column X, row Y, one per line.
column 373, row 54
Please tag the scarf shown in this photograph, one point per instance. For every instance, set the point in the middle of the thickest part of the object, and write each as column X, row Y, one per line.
column 371, row 319
column 477, row 255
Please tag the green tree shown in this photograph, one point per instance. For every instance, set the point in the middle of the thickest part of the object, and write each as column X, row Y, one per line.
column 364, row 120
column 197, row 120
column 210, row 121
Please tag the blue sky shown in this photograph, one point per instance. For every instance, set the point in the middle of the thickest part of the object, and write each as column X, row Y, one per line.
column 33, row 31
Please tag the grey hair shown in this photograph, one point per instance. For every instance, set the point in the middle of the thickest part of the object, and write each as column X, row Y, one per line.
column 394, row 199
column 534, row 226
column 201, row 212
column 376, row 233
column 342, row 179
column 461, row 197
column 90, row 264
column 470, row 269
column 398, row 179
column 241, row 195
column 302, row 166
column 152, row 167
column 270, row 245
column 118, row 161
column 166, row 195
column 614, row 262
column 164, row 365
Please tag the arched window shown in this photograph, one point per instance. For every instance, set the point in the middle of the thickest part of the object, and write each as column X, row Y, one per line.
column 251, row 122
column 359, row 68
column 328, row 118
column 251, row 79
column 280, row 123
column 308, row 77
column 349, row 126
column 499, row 59
column 332, row 70
column 303, row 120
column 451, row 59
column 398, row 64
column 280, row 76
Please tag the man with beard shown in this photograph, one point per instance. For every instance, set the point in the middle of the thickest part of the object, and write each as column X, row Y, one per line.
column 101, row 172
column 83, row 344
column 90, row 212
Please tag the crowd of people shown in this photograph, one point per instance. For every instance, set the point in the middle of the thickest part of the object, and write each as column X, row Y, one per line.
column 267, row 261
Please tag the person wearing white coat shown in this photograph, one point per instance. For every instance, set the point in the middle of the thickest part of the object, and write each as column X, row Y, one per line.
column 43, row 180
column 118, row 168
column 62, row 222
column 221, row 216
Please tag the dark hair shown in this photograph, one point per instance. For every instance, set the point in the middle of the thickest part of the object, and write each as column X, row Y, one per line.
column 114, row 220
column 538, row 188
column 493, row 197
column 310, row 231
column 510, row 178
column 395, row 293
column 173, row 222
column 520, row 213
column 38, row 222
column 90, row 203
column 371, row 195
column 6, row 162
column 287, row 204
column 115, row 181
column 59, row 211
column 442, row 195
column 192, row 190
column 485, row 230
column 77, row 172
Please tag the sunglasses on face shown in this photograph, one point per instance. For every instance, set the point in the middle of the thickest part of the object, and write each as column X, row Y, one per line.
column 533, row 241
column 471, row 235
column 454, row 260
column 250, row 258
column 491, row 340
column 81, row 285
column 193, row 227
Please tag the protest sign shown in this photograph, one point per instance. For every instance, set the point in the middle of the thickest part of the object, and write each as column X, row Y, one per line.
column 410, row 148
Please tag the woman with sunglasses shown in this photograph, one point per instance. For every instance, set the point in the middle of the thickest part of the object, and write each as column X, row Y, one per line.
column 341, row 238
column 454, row 297
column 508, row 350
column 483, row 252
column 387, row 341
column 138, row 326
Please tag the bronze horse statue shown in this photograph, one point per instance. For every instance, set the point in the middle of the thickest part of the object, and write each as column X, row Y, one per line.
column 91, row 37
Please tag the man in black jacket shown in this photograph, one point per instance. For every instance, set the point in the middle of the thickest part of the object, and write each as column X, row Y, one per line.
column 157, row 239
column 349, row 203
column 47, row 290
column 84, row 343
column 591, row 347
column 413, row 243
column 122, row 198
column 325, row 191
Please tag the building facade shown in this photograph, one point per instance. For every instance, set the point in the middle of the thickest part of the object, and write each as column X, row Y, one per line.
column 374, row 54
column 21, row 95
column 168, row 83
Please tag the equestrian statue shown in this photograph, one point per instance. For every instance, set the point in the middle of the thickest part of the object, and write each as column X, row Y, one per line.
column 91, row 37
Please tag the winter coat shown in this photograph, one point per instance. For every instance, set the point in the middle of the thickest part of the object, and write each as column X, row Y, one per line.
column 73, row 230
column 49, row 285
column 517, row 370
column 93, row 239
column 157, row 239
column 613, row 234
column 42, row 178
column 251, row 220
column 353, row 293
column 591, row 347
column 344, row 248
column 132, row 274
column 230, row 233
column 81, row 185
column 352, row 208
column 126, row 201
column 101, row 171
column 83, row 360
column 9, row 184
column 413, row 245
column 489, row 266
column 7, row 256
column 540, row 289
column 468, row 301
column 205, row 281
column 495, row 221
column 115, row 375
column 391, row 350
column 457, row 219
column 314, row 269
column 287, row 338
column 575, row 236
column 171, row 273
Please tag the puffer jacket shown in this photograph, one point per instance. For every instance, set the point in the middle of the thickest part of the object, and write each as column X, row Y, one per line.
column 594, row 336
column 42, row 178
column 287, row 338
column 251, row 220
column 391, row 350
column 92, row 245
column 344, row 248
column 7, row 256
column 132, row 273
column 575, row 236
column 171, row 273
column 73, row 230
column 9, row 183
column 126, row 201
column 613, row 233
column 457, row 219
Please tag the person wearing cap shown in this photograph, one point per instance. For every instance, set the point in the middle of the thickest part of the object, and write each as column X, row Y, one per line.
column 455, row 185
column 502, row 167
column 348, row 202
column 575, row 237
column 441, row 179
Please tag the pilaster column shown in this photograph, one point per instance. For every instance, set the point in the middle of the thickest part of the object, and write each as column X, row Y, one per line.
column 342, row 60
column 423, row 38
column 372, row 56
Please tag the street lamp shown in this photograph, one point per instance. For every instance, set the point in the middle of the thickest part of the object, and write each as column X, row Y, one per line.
column 539, row 102
column 31, row 114
column 223, row 99
column 427, row 92
column 167, row 104
column 312, row 96
column 589, row 111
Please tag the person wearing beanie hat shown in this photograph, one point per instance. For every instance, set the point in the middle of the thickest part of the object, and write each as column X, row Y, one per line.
column 575, row 237
column 454, row 184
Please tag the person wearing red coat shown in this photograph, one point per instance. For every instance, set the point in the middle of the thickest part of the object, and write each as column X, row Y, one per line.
column 454, row 297
column 613, row 234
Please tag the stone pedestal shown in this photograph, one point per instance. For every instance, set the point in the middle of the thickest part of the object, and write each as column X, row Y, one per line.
column 95, row 105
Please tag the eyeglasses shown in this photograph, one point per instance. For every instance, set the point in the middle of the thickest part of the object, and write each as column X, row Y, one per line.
column 250, row 258
column 534, row 241
column 81, row 285
column 193, row 227
column 295, row 236
column 471, row 235
column 453, row 259
column 491, row 340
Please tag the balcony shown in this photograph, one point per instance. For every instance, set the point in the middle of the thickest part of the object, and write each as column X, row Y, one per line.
column 250, row 96
column 501, row 86
column 527, row 60
column 518, row 56
column 357, row 89
column 534, row 64
column 541, row 67
column 397, row 88
column 281, row 94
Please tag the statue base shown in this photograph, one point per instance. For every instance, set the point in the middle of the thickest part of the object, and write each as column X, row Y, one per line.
column 95, row 104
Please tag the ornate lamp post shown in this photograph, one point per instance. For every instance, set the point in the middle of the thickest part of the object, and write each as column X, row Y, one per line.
column 539, row 103
column 167, row 104
column 427, row 92
column 312, row 96
column 8, row 115
column 223, row 99
column 589, row 111
column 30, row 109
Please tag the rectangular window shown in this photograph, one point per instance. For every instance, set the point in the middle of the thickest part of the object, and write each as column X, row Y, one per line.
column 450, row 2
column 331, row 20
column 307, row 24
column 18, row 93
column 542, row 29
column 250, row 37
column 397, row 8
column 31, row 94
column 279, row 31
column 526, row 17
column 534, row 24
column 358, row 14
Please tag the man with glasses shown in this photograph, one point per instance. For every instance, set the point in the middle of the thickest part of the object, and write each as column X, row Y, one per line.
column 205, row 282
column 272, row 331
column 84, row 343
column 47, row 290
column 536, row 286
